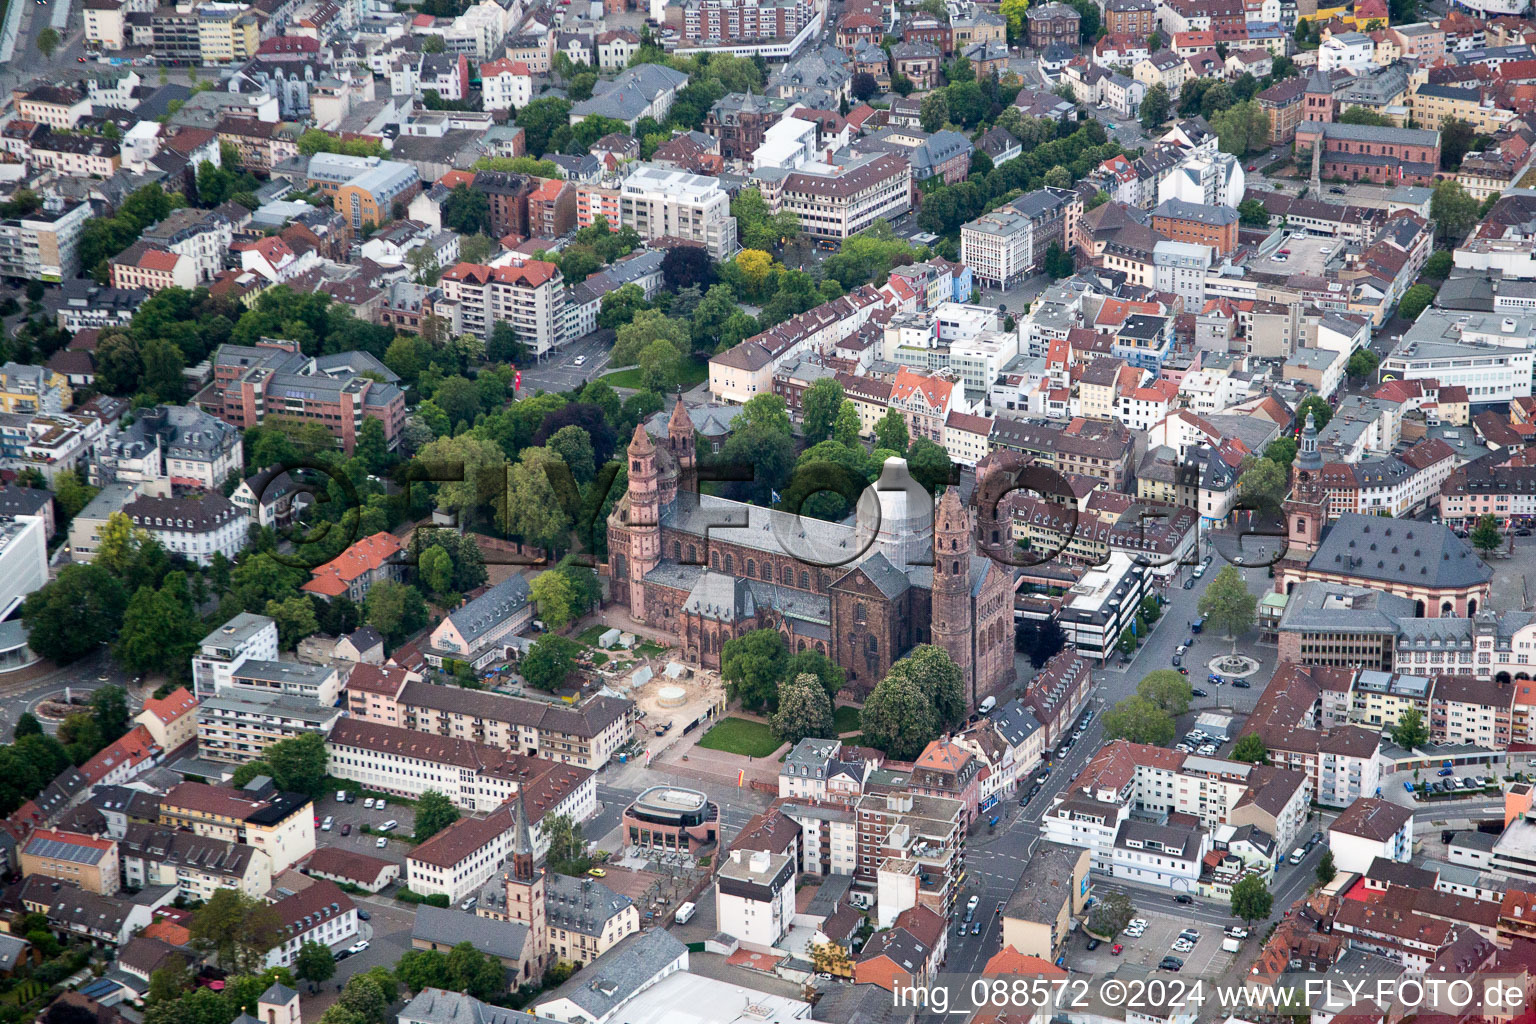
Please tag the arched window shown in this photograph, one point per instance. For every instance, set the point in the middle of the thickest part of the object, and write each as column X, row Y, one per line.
column 693, row 555
column 805, row 580
column 858, row 612
column 789, row 576
column 767, row 572
column 954, row 567
column 751, row 568
column 1301, row 525
column 730, row 563
column 677, row 551
column 714, row 559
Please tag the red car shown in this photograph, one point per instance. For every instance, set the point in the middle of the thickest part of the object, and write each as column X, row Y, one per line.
column 1116, row 949
column 80, row 59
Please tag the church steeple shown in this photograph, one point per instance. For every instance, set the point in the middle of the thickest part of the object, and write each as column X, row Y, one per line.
column 525, row 892
column 951, row 615
column 681, row 444
column 1306, row 510
column 522, row 843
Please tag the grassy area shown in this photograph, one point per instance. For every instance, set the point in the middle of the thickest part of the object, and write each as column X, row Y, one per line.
column 845, row 719
column 589, row 635
column 694, row 373
column 649, row 648
column 739, row 736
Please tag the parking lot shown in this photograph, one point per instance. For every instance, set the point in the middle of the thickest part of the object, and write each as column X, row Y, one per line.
column 356, row 815
column 1206, row 960
column 559, row 371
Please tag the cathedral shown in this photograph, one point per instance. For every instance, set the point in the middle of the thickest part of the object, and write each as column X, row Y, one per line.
column 704, row 570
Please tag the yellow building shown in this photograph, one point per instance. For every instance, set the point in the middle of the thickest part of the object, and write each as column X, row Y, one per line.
column 88, row 862
column 280, row 824
column 33, row 389
column 1052, row 891
column 226, row 33
column 1432, row 104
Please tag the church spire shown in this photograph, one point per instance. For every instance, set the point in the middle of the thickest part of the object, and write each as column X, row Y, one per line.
column 522, row 843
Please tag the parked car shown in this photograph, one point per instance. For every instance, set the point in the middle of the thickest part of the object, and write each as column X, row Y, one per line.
column 368, row 803
column 1190, row 934
column 363, row 915
column 382, row 842
column 1171, row 963
column 1183, row 897
column 1093, row 944
column 1199, row 693
column 346, row 830
column 976, row 928
column 359, row 946
column 1177, row 661
column 325, row 826
column 1189, row 584
column 1242, row 684
column 1116, row 949
column 1236, row 933
column 1445, row 771
column 960, row 930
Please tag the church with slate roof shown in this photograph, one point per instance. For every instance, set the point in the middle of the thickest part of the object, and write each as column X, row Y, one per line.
column 705, row 569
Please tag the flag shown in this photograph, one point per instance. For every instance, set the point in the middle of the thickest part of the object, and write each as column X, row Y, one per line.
column 741, row 777
column 517, row 380
column 775, row 496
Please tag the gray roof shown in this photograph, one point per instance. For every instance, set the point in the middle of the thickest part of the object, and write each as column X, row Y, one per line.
column 582, row 905
column 1015, row 722
column 1315, row 605
column 1183, row 210
column 11, row 949
column 628, row 95
column 447, row 926
column 627, row 968
column 1372, row 133
column 278, row 993
column 439, row 1006
column 491, row 608
column 1407, row 552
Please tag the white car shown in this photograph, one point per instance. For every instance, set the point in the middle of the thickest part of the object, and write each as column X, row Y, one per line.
column 326, row 825
column 368, row 803
column 359, row 946
column 381, row 843
column 1183, row 946
column 579, row 361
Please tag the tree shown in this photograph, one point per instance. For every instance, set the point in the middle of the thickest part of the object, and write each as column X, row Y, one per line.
column 567, row 848
column 685, row 266
column 28, row 725
column 363, row 997
column 1139, row 720
column 898, row 718
column 295, row 620
column 752, row 665
column 848, row 426
column 1325, row 868
column 940, row 681
column 549, row 661
column 1059, row 262
column 933, row 112
column 394, row 609
column 109, row 708
column 1365, row 116
column 540, row 119
column 555, row 598
column 1111, row 914
column 929, row 464
column 1013, row 11
column 1362, row 364
column 434, row 812
column 1262, row 485
column 819, row 406
column 1318, row 408
column 1227, row 605
column 72, row 615
column 314, row 962
column 237, row 928
column 1040, row 641
column 1439, row 265
column 1281, row 451
column 1486, row 536
column 891, row 433
column 1251, row 899
column 1410, row 732
column 1167, row 689
column 1251, row 749
column 1453, row 210
column 1242, row 128
column 1155, row 106
column 1252, row 214
column 48, row 41
column 1456, row 138
column 298, row 764
column 1415, row 300
column 864, row 86
column 804, row 710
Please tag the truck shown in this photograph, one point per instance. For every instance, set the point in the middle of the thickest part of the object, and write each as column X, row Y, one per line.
column 684, row 913
column 1230, row 945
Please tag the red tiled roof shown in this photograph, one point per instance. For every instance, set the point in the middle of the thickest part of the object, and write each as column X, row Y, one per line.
column 366, row 555
column 172, row 706
column 136, row 747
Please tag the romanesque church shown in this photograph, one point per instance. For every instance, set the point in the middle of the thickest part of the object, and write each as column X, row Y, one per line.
column 704, row 570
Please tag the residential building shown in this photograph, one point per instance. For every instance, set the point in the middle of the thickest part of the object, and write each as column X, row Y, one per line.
column 28, row 390
column 668, row 203
column 280, row 824
column 1051, row 892
column 527, row 294
column 1369, row 829
column 755, row 897
column 196, row 866
column 476, row 631
column 85, row 861
column 1010, row 243
column 320, row 912
column 195, row 526
column 226, row 649
column 179, row 444
column 171, row 720
column 44, row 245
column 353, row 573
column 239, row 725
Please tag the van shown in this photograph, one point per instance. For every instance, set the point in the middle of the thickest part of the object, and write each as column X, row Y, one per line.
column 1297, row 855
column 1230, row 945
column 987, row 705
column 684, row 913
column 388, row 826
column 341, row 796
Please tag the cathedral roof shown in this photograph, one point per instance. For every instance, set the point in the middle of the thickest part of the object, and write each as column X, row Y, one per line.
column 762, row 529
column 722, row 598
column 890, row 581
column 641, row 442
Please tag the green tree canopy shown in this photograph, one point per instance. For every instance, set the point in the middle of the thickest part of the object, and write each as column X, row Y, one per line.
column 752, row 666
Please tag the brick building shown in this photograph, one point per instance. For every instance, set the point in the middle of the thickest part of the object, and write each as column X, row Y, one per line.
column 1132, row 19
column 508, row 194
column 1215, row 226
column 739, row 121
column 1053, row 23
column 1362, row 152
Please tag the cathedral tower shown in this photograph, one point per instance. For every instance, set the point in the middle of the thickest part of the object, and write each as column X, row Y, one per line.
column 1306, row 511
column 681, row 444
column 952, row 585
column 644, row 517
column 525, row 892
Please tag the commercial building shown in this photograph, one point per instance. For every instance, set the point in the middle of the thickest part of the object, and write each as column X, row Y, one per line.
column 180, row 444
column 226, row 649
column 1488, row 354
column 755, row 897
column 1103, row 604
column 43, row 245
column 1010, row 243
column 477, row 632
column 671, row 818
column 837, row 202
column 1052, row 891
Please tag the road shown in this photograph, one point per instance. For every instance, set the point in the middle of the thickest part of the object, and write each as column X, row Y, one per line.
column 558, row 371
column 995, row 862
column 88, row 674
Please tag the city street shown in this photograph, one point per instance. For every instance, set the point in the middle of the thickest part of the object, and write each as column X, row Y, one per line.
column 84, row 676
column 558, row 371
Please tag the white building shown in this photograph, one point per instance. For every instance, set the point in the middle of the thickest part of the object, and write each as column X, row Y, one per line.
column 23, row 560
column 1205, row 181
column 1180, row 268
column 1352, row 51
column 407, row 763
column 505, row 85
column 528, row 294
column 195, row 526
column 319, row 912
column 1009, row 244
column 1488, row 354
column 1371, row 828
column 1161, row 855
column 755, row 897
column 659, row 202
column 226, row 649
column 835, row 202
column 179, row 444
column 1103, row 604
column 788, row 143
column 239, row 725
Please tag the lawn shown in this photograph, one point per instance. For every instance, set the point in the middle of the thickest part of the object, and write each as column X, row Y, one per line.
column 845, row 719
column 739, row 736
column 694, row 373
column 589, row 635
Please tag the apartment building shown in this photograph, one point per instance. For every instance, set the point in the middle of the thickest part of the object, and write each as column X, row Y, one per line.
column 823, row 770
column 320, row 912
column 81, row 860
column 43, row 245
column 755, row 897
column 197, row 866
column 1341, row 761
column 171, row 721
column 280, row 824
column 146, row 267
column 1051, row 891
column 179, row 444
column 527, row 294
column 659, row 202
column 225, row 650
column 910, row 851
column 353, row 573
column 748, row 368
column 586, row 735
column 203, row 236
column 227, row 32
column 734, row 21
column 28, row 390
column 239, row 724
column 837, row 202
